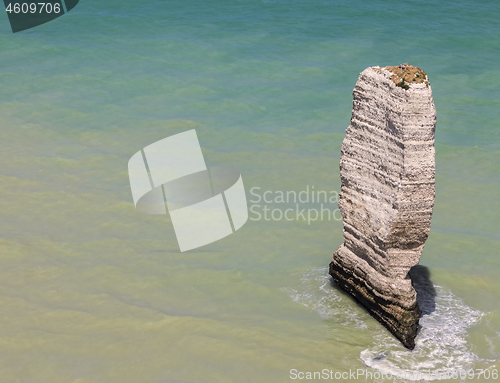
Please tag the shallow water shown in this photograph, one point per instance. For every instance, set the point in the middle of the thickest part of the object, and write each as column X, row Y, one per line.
column 93, row 291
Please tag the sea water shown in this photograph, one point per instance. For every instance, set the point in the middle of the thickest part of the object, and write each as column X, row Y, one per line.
column 93, row 291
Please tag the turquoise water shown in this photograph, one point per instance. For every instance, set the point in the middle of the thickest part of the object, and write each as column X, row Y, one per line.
column 93, row 291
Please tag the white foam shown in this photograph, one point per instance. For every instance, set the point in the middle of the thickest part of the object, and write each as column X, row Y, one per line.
column 440, row 347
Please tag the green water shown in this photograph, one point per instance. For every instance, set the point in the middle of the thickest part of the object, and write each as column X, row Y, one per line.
column 93, row 291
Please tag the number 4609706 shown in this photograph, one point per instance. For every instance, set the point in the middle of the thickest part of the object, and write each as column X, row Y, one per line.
column 33, row 8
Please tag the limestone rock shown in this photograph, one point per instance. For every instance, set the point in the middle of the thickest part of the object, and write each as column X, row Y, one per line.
column 387, row 168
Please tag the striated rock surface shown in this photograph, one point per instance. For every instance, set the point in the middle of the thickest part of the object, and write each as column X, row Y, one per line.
column 387, row 169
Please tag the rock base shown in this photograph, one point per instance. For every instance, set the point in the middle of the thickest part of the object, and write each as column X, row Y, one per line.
column 402, row 322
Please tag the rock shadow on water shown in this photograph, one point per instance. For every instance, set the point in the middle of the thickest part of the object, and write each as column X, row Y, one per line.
column 426, row 291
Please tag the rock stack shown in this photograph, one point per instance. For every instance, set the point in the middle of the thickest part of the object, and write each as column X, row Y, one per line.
column 387, row 169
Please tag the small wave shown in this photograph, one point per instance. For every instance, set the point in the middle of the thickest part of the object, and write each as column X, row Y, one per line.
column 317, row 293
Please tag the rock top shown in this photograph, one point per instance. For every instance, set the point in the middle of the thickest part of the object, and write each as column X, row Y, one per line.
column 405, row 74
column 387, row 169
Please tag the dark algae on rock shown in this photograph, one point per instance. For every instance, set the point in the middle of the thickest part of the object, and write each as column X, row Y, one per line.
column 387, row 169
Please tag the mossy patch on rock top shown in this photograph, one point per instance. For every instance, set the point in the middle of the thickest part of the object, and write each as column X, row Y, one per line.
column 406, row 74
